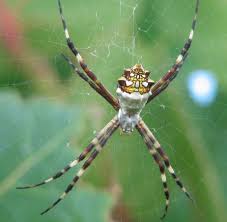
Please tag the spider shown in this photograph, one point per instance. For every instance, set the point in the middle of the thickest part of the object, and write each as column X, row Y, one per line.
column 135, row 90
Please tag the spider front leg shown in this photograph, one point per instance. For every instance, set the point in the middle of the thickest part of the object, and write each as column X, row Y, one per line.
column 98, row 142
column 85, row 68
column 162, row 84
column 146, row 133
column 90, row 82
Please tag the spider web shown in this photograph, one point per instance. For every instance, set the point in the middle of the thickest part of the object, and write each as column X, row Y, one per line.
column 113, row 35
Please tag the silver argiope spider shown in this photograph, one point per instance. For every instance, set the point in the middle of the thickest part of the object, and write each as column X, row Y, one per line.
column 134, row 91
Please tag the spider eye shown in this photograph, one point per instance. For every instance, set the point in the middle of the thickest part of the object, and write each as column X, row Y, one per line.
column 150, row 83
column 127, row 72
column 122, row 82
column 147, row 73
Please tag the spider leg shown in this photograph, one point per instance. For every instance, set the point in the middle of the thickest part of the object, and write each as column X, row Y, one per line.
column 165, row 158
column 159, row 90
column 80, row 60
column 72, row 164
column 162, row 84
column 152, row 150
column 99, row 143
column 90, row 82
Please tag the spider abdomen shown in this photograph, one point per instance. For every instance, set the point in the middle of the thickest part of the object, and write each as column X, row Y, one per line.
column 131, row 104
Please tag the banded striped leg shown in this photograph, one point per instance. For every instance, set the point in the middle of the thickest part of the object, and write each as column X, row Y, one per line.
column 165, row 158
column 72, row 164
column 86, row 79
column 159, row 90
column 80, row 60
column 99, row 143
column 157, row 159
column 64, row 170
column 162, row 84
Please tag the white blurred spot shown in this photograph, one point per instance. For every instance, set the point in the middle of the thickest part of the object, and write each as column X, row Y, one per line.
column 202, row 86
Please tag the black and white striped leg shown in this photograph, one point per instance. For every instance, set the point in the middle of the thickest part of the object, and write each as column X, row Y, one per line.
column 80, row 60
column 81, row 157
column 99, row 143
column 64, row 170
column 165, row 158
column 171, row 170
column 157, row 159
column 90, row 82
column 164, row 86
column 162, row 83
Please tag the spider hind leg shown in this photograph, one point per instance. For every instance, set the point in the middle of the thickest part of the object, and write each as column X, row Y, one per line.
column 160, row 164
column 165, row 158
column 60, row 173
column 98, row 142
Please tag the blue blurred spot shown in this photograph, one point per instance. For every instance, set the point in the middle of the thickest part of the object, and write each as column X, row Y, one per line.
column 202, row 86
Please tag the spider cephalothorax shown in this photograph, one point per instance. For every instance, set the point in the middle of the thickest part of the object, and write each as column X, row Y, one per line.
column 135, row 80
column 134, row 91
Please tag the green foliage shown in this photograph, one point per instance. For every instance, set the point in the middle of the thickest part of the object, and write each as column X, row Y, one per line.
column 34, row 133
column 33, row 146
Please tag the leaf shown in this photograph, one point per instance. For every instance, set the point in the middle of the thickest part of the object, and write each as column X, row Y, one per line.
column 34, row 144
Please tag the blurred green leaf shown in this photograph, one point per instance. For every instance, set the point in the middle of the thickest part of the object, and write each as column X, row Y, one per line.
column 105, row 33
column 35, row 144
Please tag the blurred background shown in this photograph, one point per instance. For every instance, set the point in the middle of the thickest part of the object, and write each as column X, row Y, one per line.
column 48, row 114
